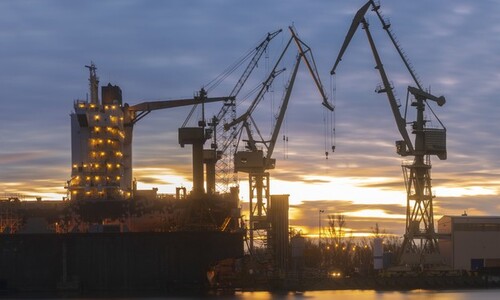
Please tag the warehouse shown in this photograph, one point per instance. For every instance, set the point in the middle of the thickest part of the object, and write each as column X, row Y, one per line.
column 470, row 242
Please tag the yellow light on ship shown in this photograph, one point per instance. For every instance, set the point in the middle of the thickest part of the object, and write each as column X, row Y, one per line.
column 87, row 178
column 109, row 166
column 75, row 166
column 96, row 117
column 117, row 165
column 96, row 165
column 97, row 129
column 84, row 165
column 92, row 105
column 103, row 153
column 97, row 178
column 118, row 177
column 81, row 105
column 113, row 107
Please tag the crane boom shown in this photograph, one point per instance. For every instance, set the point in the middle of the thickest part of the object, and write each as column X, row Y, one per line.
column 259, row 50
column 360, row 15
column 260, row 95
column 162, row 104
column 281, row 115
column 265, row 85
column 359, row 18
column 400, row 121
column 313, row 71
column 140, row 110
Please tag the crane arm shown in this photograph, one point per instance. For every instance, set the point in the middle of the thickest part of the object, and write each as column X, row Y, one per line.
column 259, row 50
column 313, row 71
column 260, row 95
column 264, row 88
column 281, row 115
column 360, row 15
column 139, row 111
column 162, row 104
column 424, row 95
column 400, row 121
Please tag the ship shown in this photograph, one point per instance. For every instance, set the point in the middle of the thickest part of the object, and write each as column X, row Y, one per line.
column 107, row 237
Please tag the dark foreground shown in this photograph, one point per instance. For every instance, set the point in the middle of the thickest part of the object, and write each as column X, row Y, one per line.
column 145, row 263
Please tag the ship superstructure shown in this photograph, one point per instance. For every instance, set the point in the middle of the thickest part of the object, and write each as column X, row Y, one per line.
column 100, row 163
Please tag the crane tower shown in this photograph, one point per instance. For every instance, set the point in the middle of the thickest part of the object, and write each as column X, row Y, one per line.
column 256, row 162
column 428, row 141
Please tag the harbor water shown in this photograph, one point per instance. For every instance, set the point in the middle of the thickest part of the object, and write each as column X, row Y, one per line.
column 476, row 294
column 484, row 294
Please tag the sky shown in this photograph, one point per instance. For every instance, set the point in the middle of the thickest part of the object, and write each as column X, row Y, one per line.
column 160, row 50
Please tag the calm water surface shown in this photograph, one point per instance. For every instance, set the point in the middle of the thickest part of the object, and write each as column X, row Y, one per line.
column 490, row 294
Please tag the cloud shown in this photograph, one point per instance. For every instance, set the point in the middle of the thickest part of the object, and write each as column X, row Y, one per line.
column 169, row 50
column 306, row 214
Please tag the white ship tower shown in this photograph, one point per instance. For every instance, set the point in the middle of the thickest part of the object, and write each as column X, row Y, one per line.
column 101, row 167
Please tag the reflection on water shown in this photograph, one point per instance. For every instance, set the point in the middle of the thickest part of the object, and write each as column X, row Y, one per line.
column 491, row 294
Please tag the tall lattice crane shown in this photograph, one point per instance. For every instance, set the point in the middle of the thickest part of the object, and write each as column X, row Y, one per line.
column 428, row 141
column 256, row 161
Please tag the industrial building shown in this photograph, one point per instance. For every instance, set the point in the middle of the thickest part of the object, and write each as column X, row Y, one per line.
column 470, row 242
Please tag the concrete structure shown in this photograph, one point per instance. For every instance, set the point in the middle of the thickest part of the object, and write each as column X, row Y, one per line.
column 279, row 234
column 470, row 242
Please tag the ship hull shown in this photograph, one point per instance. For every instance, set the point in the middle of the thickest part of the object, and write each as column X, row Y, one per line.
column 113, row 263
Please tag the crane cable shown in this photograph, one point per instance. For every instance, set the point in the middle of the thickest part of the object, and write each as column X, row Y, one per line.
column 333, row 89
column 329, row 121
column 228, row 71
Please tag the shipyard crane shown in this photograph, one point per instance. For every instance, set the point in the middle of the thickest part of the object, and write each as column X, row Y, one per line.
column 253, row 160
column 428, row 141
column 219, row 157
column 134, row 113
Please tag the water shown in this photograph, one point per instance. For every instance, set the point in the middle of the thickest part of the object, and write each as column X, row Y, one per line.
column 378, row 295
column 489, row 294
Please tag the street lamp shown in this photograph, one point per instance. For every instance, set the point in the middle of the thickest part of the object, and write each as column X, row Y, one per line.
column 319, row 225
